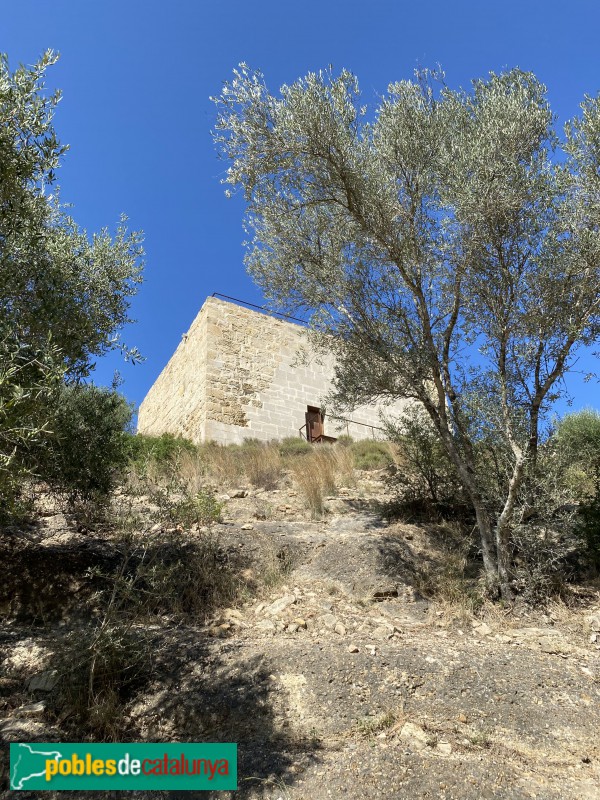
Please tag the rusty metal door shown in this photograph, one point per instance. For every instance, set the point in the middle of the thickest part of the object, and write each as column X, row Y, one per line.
column 314, row 423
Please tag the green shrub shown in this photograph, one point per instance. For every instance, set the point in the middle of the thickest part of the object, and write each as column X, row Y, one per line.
column 185, row 578
column 545, row 560
column 578, row 436
column 162, row 449
column 201, row 509
column 88, row 448
column 587, row 531
column 371, row 454
column 294, row 446
column 425, row 475
column 576, row 441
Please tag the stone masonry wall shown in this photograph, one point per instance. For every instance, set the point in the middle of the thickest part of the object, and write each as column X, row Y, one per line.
column 237, row 374
column 176, row 403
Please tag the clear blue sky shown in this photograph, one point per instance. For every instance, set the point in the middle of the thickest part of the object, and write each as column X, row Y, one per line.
column 136, row 77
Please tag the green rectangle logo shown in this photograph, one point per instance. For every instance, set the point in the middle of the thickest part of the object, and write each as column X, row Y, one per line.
column 102, row 767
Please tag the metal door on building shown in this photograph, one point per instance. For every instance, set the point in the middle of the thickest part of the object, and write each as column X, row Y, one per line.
column 314, row 423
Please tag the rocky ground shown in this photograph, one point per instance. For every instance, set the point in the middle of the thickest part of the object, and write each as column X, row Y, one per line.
column 340, row 679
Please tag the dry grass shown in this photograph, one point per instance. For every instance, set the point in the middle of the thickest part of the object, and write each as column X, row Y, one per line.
column 222, row 463
column 191, row 470
column 317, row 470
column 344, row 464
column 309, row 483
column 320, row 472
column 263, row 466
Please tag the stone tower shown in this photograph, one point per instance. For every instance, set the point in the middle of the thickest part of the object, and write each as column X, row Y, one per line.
column 236, row 374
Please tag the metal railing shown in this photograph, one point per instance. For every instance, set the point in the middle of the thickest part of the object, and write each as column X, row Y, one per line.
column 269, row 312
column 355, row 422
column 348, row 423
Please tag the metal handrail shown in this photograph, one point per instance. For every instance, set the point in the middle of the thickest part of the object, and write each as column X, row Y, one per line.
column 355, row 422
column 348, row 422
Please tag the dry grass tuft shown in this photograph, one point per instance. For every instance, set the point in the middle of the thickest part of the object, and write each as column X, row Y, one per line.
column 320, row 472
column 263, row 466
column 223, row 464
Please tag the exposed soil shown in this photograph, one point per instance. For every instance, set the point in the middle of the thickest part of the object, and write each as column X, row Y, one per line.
column 339, row 681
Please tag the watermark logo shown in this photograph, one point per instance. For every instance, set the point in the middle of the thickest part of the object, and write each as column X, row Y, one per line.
column 193, row 766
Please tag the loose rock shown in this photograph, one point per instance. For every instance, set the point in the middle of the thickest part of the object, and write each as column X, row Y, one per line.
column 280, row 605
column 414, row 735
column 43, row 681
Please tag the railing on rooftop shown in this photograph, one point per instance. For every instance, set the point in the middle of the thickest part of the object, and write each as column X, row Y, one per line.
column 269, row 312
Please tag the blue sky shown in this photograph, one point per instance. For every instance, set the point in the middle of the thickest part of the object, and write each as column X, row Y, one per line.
column 136, row 77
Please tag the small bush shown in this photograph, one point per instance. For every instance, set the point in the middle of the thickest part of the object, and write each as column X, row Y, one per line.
column 423, row 480
column 88, row 450
column 294, row 446
column 182, row 578
column 587, row 532
column 578, row 436
column 577, row 446
column 452, row 579
column 371, row 454
column 543, row 561
column 200, row 509
column 163, row 450
column 276, row 567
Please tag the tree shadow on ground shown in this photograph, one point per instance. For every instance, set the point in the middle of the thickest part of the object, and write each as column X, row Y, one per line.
column 431, row 558
column 194, row 687
column 203, row 690
column 219, row 695
column 44, row 583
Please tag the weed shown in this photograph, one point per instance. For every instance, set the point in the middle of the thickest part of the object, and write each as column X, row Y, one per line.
column 370, row 726
column 481, row 739
column 263, row 510
column 276, row 566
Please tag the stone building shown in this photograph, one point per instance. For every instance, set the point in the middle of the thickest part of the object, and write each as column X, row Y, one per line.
column 236, row 374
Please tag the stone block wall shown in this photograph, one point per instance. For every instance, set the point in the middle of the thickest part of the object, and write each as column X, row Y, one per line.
column 237, row 374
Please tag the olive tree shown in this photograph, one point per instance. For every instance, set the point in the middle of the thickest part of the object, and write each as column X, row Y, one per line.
column 64, row 295
column 446, row 247
column 56, row 282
